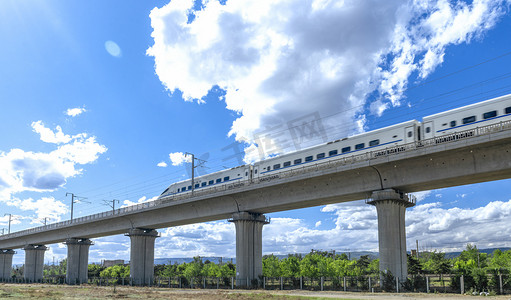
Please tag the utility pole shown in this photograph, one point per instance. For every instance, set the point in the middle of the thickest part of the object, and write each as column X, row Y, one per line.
column 201, row 161
column 3, row 230
column 107, row 202
column 73, row 197
column 10, row 216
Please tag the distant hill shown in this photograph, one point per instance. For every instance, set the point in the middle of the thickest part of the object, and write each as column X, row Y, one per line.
column 487, row 251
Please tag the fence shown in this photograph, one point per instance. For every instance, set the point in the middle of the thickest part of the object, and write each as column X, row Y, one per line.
column 441, row 283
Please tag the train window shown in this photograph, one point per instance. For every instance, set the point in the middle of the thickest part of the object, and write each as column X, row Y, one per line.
column 468, row 120
column 359, row 146
column 203, row 184
column 490, row 114
column 410, row 134
column 287, row 164
column 276, row 166
column 445, row 124
column 321, row 155
column 246, row 173
column 453, row 123
column 394, row 136
column 333, row 152
column 298, row 161
column 197, row 185
column 211, row 182
column 177, row 191
column 255, row 171
column 219, row 180
column 346, row 149
column 374, row 143
column 428, row 129
column 308, row 158
column 226, row 178
column 508, row 110
column 268, row 168
column 189, row 187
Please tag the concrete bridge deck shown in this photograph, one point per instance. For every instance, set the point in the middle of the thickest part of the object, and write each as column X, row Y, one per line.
column 477, row 155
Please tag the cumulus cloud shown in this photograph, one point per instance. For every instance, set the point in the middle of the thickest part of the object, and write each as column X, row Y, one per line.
column 423, row 32
column 204, row 239
column 49, row 136
column 22, row 171
column 46, row 207
column 140, row 200
column 162, row 164
column 73, row 112
column 178, row 158
column 278, row 61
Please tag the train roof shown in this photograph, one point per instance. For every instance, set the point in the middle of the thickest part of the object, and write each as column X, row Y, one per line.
column 473, row 105
column 410, row 122
column 209, row 174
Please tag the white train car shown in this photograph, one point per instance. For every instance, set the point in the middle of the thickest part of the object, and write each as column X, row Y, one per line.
column 467, row 117
column 232, row 175
column 379, row 139
column 460, row 119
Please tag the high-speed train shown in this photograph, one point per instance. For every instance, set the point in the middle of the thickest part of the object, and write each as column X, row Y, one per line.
column 464, row 118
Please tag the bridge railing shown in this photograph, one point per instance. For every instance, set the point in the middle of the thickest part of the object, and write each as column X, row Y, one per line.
column 327, row 164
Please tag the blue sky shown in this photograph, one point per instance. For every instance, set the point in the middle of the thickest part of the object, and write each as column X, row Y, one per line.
column 101, row 99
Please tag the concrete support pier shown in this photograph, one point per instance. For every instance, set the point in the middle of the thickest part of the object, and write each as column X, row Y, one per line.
column 77, row 260
column 142, row 255
column 249, row 246
column 34, row 262
column 390, row 207
column 5, row 263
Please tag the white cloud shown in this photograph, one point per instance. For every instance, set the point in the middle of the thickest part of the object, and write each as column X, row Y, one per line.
column 318, row 223
column 162, row 164
column 281, row 60
column 423, row 32
column 178, row 158
column 204, row 239
column 140, row 200
column 73, row 112
column 422, row 195
column 46, row 207
column 49, row 136
column 39, row 171
column 15, row 219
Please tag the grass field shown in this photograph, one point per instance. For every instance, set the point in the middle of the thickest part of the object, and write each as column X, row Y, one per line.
column 45, row 291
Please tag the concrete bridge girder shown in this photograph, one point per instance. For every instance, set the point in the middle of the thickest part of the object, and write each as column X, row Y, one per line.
column 409, row 172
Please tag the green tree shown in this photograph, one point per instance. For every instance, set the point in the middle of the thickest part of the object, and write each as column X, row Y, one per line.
column 227, row 270
column 290, row 266
column 117, row 271
column 211, row 270
column 271, row 266
column 193, row 269
column 94, row 270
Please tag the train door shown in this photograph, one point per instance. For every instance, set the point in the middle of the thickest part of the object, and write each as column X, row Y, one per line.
column 428, row 130
column 248, row 172
column 410, row 134
column 255, row 171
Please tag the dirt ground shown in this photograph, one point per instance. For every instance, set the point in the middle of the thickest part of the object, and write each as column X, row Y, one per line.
column 42, row 291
